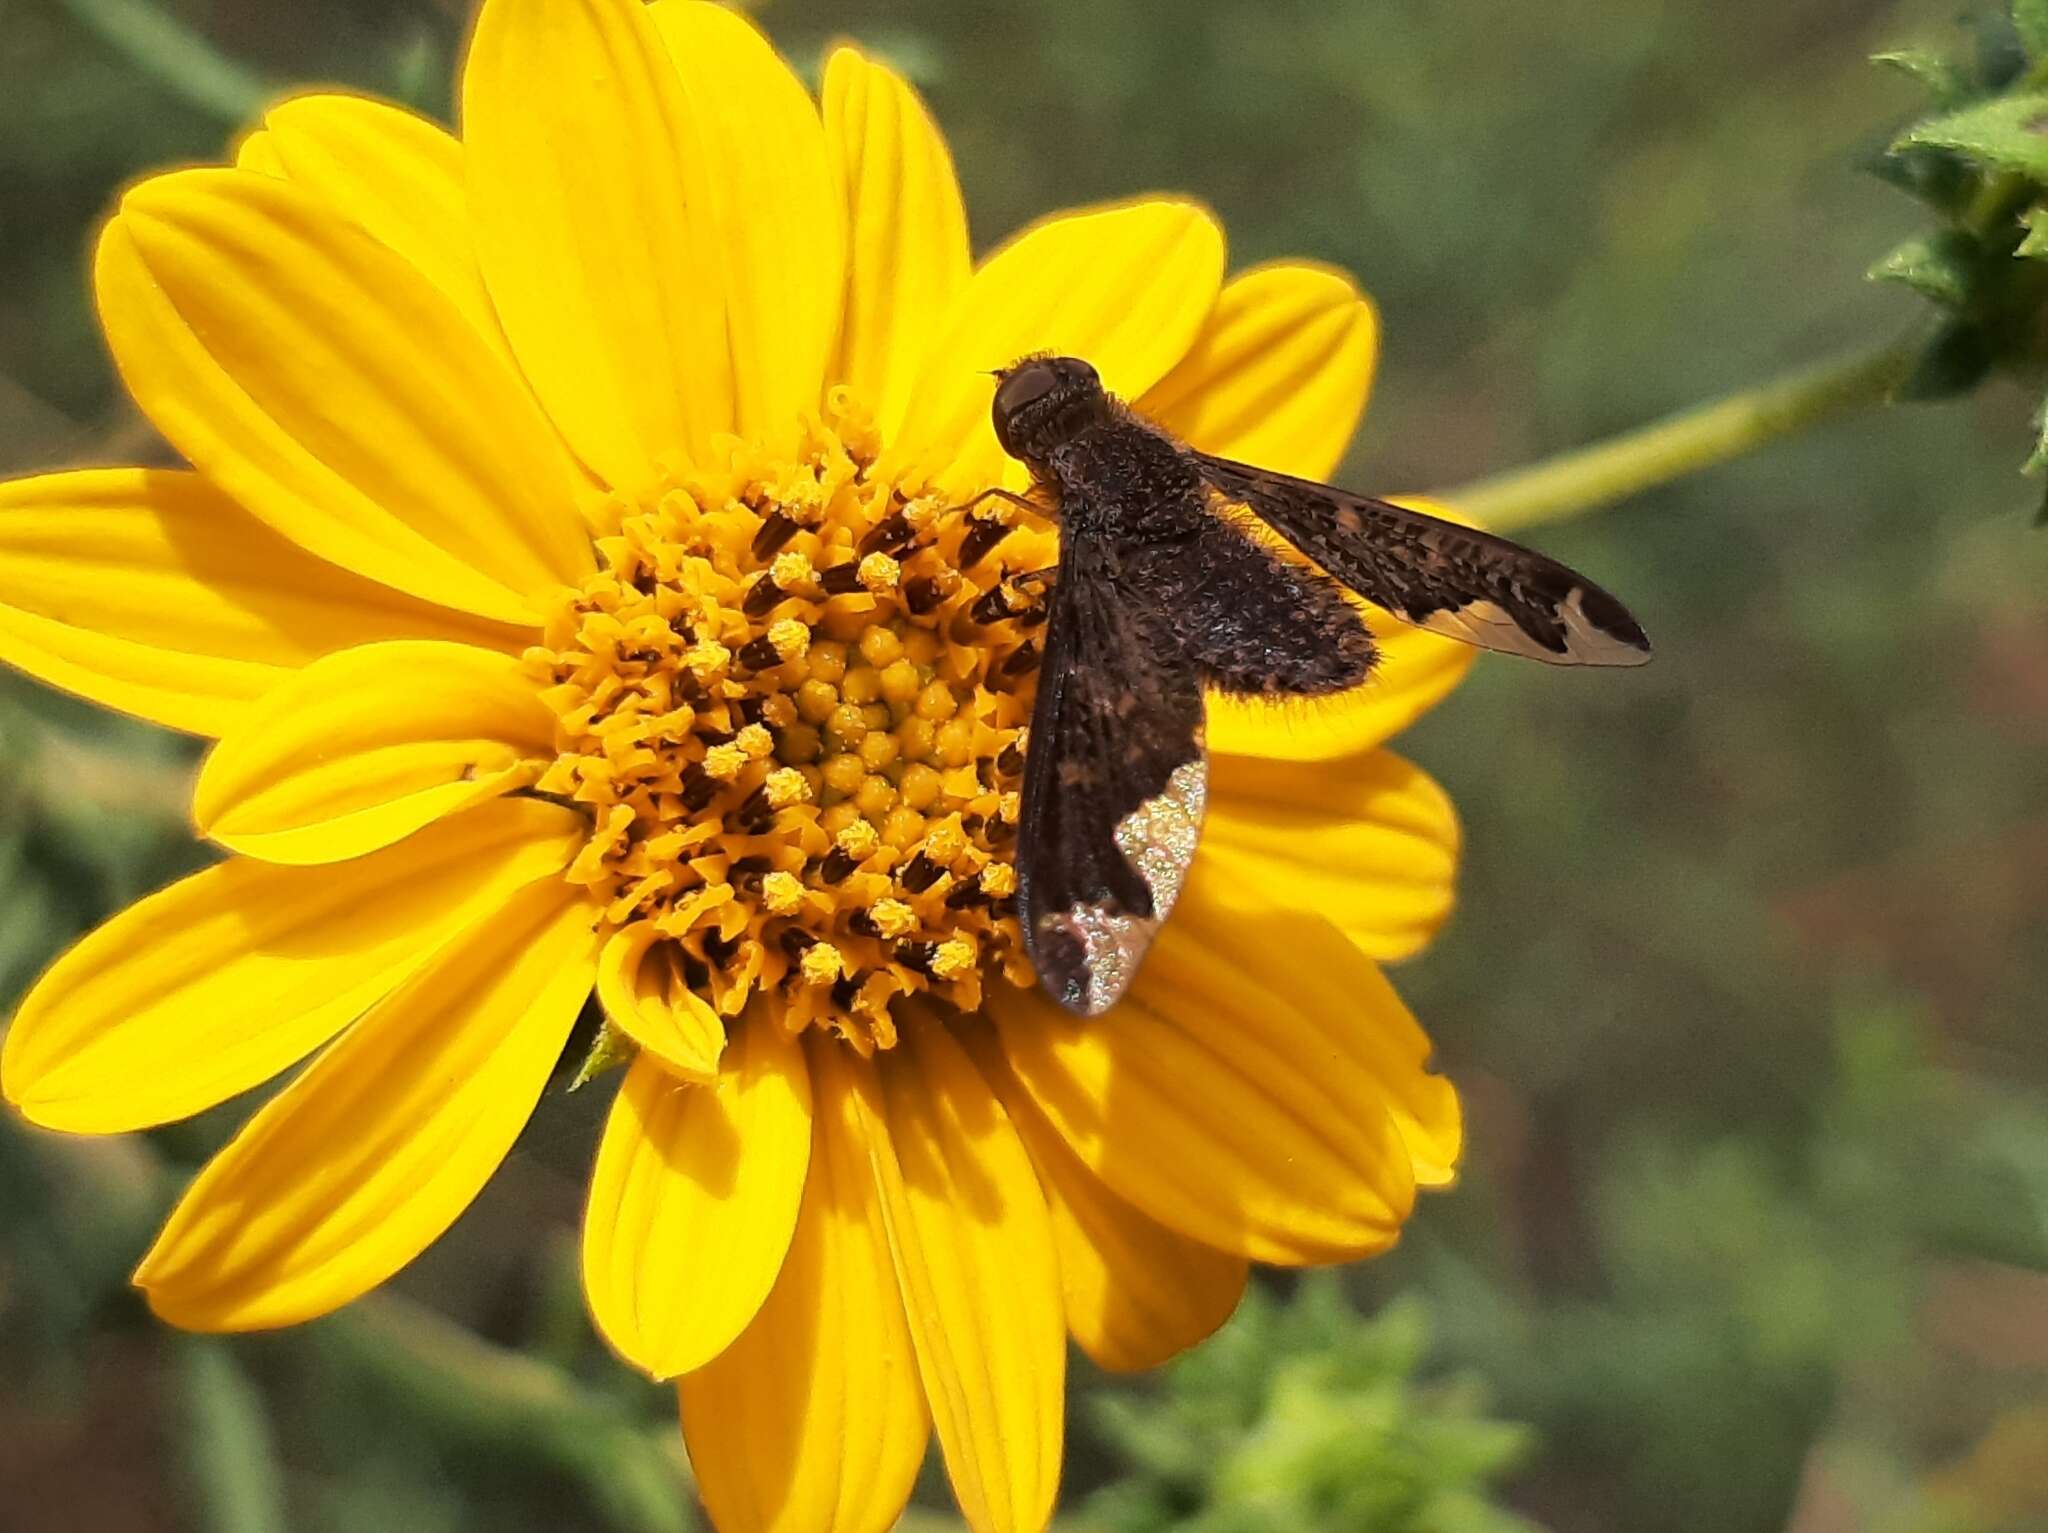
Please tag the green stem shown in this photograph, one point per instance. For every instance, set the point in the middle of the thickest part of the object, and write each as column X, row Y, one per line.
column 176, row 57
column 1700, row 437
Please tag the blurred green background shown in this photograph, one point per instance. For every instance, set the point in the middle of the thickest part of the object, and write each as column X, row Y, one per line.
column 1744, row 990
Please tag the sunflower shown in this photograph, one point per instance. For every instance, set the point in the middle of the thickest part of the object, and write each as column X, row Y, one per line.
column 581, row 574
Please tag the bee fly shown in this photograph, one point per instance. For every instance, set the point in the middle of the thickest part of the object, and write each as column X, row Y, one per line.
column 1159, row 594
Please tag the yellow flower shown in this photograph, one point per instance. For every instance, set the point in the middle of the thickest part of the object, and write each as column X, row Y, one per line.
column 572, row 571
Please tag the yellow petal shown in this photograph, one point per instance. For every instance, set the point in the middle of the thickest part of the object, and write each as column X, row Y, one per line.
column 148, row 591
column 693, row 1200
column 1136, row 1292
column 1279, row 374
column 256, row 152
column 322, row 381
column 594, row 205
column 1262, row 1090
column 398, row 175
column 907, row 252
column 364, row 747
column 779, row 220
column 814, row 1418
column 642, row 990
column 1368, row 842
column 1414, row 673
column 974, row 1256
column 357, row 1166
column 1126, row 287
column 220, row 981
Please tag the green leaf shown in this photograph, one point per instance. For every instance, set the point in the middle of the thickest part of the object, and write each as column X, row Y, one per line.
column 1954, row 362
column 1938, row 177
column 2030, row 20
column 2037, row 460
column 1945, row 84
column 2034, row 245
column 2010, row 133
column 1944, row 267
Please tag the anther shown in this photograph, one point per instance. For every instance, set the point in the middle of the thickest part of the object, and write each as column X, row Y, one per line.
column 777, row 529
column 837, row 864
column 1010, row 760
column 758, row 654
column 757, row 810
column 966, row 894
column 917, row 956
column 841, row 579
column 922, row 594
column 983, row 534
column 843, row 993
column 719, row 948
column 746, row 872
column 761, row 596
column 920, row 873
column 795, row 941
column 699, row 787
column 993, row 606
column 891, row 531
column 1023, row 659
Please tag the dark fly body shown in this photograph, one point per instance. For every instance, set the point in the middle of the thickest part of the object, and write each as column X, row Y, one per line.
column 1161, row 595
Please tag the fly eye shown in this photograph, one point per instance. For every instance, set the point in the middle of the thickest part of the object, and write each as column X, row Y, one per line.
column 1027, row 385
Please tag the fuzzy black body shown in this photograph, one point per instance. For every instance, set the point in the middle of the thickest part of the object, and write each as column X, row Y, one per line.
column 1160, row 595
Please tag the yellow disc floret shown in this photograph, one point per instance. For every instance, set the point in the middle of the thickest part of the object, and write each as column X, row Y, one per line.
column 797, row 741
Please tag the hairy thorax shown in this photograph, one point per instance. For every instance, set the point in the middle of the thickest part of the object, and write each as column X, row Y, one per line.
column 1129, row 484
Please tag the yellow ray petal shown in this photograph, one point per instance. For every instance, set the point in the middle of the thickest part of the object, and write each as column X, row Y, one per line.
column 1286, row 1116
column 1279, row 374
column 693, row 1200
column 642, row 990
column 593, row 199
column 780, row 223
column 149, row 591
column 1136, row 1292
column 364, row 747
column 1368, row 842
column 974, row 1256
column 907, row 253
column 256, row 152
column 1127, row 287
column 328, row 386
column 217, row 983
column 814, row 1418
column 362, row 1162
column 395, row 173
column 1415, row 671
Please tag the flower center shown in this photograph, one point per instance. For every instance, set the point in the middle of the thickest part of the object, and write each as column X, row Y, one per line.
column 792, row 702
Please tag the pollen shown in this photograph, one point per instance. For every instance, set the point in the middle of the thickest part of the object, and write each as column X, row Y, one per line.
column 788, row 708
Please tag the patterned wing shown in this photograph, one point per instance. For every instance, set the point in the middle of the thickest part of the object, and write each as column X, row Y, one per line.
column 1437, row 575
column 1114, row 783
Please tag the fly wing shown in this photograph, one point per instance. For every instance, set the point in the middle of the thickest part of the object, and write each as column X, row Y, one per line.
column 1114, row 783
column 1437, row 575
